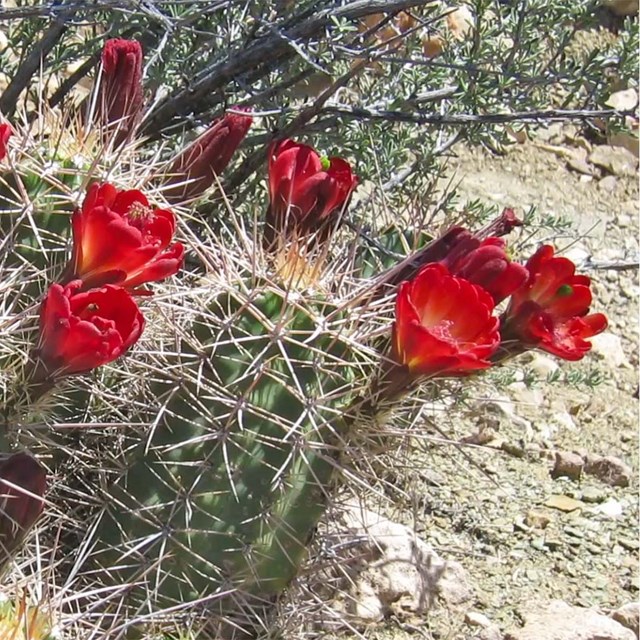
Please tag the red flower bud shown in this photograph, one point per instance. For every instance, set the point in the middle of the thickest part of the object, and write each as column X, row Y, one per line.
column 120, row 96
column 23, row 483
column 80, row 331
column 550, row 310
column 195, row 169
column 118, row 238
column 307, row 193
column 486, row 264
column 504, row 224
column 480, row 261
column 5, row 133
column 444, row 325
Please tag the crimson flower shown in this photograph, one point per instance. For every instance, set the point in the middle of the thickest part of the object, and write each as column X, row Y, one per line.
column 195, row 169
column 550, row 310
column 307, row 192
column 23, row 483
column 5, row 133
column 82, row 330
column 444, row 325
column 118, row 238
column 120, row 96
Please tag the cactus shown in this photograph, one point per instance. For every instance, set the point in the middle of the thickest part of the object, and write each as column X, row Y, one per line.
column 263, row 366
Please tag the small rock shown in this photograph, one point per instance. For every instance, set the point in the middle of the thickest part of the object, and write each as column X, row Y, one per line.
column 624, row 100
column 563, row 503
column 615, row 160
column 578, row 254
column 551, row 133
column 525, row 395
column 560, row 621
column 513, row 449
column 573, row 532
column 608, row 347
column 623, row 220
column 610, row 508
column 564, row 420
column 553, row 544
column 567, row 465
column 541, row 364
column 609, row 469
column 628, row 140
column 608, row 183
column 490, row 633
column 537, row 520
column 629, row 616
column 593, row 495
column 629, row 544
column 477, row 619
column 577, row 160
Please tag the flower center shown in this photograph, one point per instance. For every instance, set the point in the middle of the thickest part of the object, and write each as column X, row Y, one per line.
column 442, row 330
column 564, row 290
column 89, row 311
column 138, row 213
column 325, row 163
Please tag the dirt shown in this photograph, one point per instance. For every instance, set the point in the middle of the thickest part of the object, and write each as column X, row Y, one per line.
column 480, row 500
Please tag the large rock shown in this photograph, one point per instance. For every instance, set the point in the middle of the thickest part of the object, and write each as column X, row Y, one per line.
column 608, row 347
column 560, row 621
column 567, row 465
column 615, row 160
column 388, row 570
column 629, row 616
column 623, row 7
column 609, row 469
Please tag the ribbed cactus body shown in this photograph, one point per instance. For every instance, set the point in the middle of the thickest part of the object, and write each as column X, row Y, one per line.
column 226, row 491
column 35, row 213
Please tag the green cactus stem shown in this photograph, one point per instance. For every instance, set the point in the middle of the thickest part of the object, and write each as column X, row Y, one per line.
column 220, row 502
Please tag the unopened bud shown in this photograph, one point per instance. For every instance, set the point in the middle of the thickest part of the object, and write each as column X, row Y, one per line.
column 195, row 169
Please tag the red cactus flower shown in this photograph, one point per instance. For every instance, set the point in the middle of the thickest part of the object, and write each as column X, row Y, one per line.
column 120, row 96
column 307, row 193
column 486, row 263
column 80, row 331
column 550, row 310
column 195, row 169
column 118, row 238
column 5, row 133
column 444, row 325
column 23, row 483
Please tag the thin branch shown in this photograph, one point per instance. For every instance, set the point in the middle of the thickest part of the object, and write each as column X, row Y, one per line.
column 55, row 7
column 70, row 82
column 33, row 61
column 462, row 119
column 262, row 54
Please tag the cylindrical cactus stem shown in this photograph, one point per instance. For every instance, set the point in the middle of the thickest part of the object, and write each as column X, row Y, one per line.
column 218, row 505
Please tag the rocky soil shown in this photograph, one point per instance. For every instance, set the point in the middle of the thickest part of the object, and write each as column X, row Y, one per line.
column 534, row 498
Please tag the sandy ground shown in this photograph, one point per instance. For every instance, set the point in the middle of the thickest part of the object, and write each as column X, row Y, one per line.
column 486, row 500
